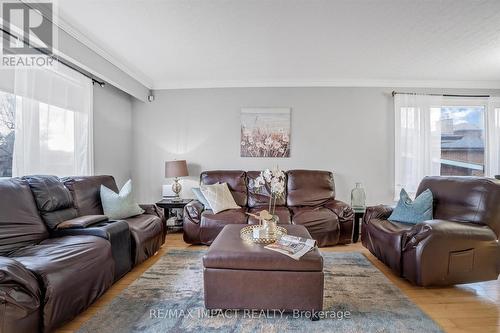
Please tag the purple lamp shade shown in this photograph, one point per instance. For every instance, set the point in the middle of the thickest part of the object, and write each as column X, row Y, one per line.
column 175, row 169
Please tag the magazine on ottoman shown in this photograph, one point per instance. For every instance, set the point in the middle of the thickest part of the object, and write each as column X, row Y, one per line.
column 292, row 246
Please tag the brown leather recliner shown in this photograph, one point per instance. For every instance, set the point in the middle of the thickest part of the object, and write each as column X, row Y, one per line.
column 460, row 245
column 309, row 200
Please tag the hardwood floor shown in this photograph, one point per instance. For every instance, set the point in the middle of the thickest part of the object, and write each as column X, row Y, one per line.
column 465, row 308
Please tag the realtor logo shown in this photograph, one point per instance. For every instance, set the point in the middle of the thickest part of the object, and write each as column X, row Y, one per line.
column 27, row 28
column 28, row 34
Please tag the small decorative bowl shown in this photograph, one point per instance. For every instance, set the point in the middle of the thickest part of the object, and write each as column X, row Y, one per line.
column 246, row 233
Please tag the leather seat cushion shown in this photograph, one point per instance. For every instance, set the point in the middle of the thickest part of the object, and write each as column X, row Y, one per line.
column 147, row 236
column 384, row 241
column 316, row 219
column 74, row 270
column 282, row 212
column 322, row 223
column 211, row 224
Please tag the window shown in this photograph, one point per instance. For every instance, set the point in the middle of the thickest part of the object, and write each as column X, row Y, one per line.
column 46, row 124
column 444, row 136
column 7, row 133
column 462, row 140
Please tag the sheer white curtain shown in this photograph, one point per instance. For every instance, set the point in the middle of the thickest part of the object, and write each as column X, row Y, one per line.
column 493, row 137
column 54, row 122
column 417, row 140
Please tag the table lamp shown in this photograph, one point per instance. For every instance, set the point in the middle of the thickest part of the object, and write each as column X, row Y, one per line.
column 176, row 169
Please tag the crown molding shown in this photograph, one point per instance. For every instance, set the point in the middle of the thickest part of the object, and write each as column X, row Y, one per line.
column 464, row 84
column 68, row 28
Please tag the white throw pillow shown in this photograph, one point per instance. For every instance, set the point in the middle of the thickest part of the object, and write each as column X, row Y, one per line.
column 219, row 197
column 119, row 205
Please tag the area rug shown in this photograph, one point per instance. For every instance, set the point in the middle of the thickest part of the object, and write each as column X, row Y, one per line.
column 169, row 298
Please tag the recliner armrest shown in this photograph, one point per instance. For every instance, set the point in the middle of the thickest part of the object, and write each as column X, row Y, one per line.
column 381, row 212
column 447, row 233
column 82, row 222
column 20, row 296
column 153, row 209
column 343, row 211
column 193, row 210
column 99, row 229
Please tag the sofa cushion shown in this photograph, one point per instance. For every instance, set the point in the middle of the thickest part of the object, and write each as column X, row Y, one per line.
column 20, row 223
column 322, row 223
column 282, row 212
column 384, row 240
column 74, row 271
column 260, row 197
column 236, row 181
column 53, row 199
column 86, row 192
column 309, row 187
column 211, row 224
column 147, row 236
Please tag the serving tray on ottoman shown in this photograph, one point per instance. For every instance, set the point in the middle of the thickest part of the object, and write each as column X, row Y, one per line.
column 241, row 275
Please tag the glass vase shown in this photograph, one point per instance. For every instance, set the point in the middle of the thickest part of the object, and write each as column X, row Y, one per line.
column 358, row 197
column 271, row 226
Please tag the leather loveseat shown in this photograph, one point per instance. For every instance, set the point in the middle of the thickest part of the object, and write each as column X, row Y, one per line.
column 460, row 245
column 48, row 276
column 309, row 200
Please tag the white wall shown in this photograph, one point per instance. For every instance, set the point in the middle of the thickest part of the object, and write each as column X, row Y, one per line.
column 347, row 130
column 112, row 133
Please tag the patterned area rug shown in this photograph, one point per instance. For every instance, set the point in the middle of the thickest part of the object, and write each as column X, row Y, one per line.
column 169, row 298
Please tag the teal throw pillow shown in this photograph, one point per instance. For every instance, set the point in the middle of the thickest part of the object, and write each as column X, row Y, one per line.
column 408, row 211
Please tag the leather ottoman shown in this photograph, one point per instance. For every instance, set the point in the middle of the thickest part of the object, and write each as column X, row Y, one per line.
column 239, row 275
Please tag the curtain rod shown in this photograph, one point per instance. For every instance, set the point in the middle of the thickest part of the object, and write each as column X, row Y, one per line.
column 443, row 95
column 58, row 59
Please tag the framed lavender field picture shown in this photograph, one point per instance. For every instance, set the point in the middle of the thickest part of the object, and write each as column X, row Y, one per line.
column 265, row 132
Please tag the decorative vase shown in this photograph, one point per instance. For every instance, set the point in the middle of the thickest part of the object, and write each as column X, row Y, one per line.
column 270, row 226
column 358, row 197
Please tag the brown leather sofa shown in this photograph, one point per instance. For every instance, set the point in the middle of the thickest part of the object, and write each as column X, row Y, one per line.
column 47, row 278
column 460, row 245
column 309, row 200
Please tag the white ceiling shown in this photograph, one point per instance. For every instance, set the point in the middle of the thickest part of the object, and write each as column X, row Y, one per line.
column 224, row 43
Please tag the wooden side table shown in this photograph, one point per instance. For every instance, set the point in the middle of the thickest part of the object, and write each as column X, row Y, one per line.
column 168, row 205
column 359, row 213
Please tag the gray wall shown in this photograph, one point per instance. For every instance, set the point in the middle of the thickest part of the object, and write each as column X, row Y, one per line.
column 112, row 133
column 347, row 130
